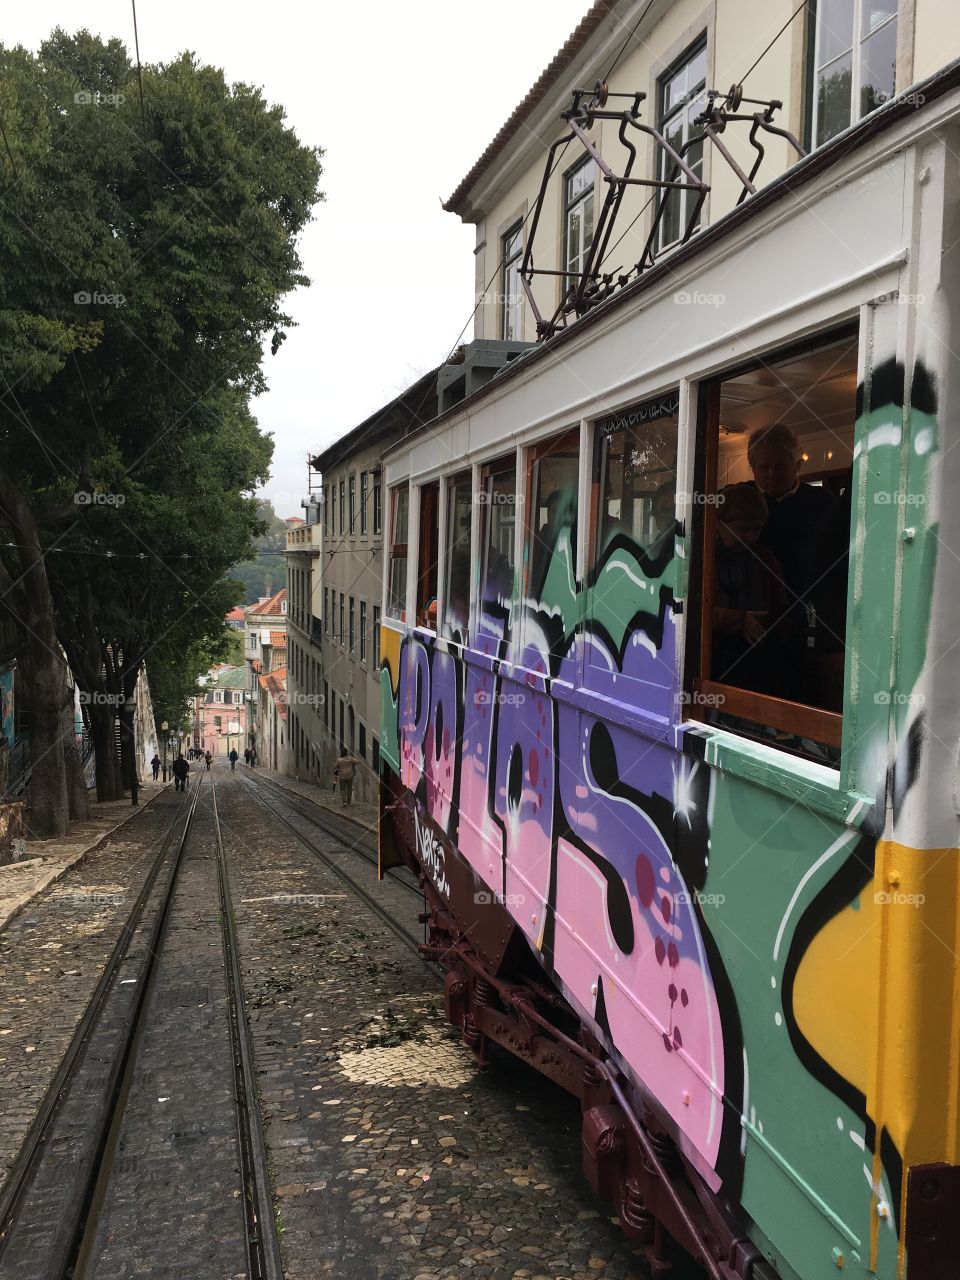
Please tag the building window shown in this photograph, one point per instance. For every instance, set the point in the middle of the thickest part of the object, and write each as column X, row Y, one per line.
column 326, row 704
column 326, row 615
column 774, row 549
column 363, row 630
column 353, row 628
column 353, row 505
column 341, row 617
column 679, row 102
column 399, row 526
column 510, row 318
column 457, row 564
column 343, row 510
column 227, row 696
column 577, row 219
column 429, row 556
column 853, row 67
column 326, row 510
column 363, row 501
column 376, row 637
column 362, row 741
column 375, row 753
column 217, row 721
column 377, row 503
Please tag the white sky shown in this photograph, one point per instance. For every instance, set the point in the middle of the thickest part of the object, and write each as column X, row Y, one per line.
column 403, row 97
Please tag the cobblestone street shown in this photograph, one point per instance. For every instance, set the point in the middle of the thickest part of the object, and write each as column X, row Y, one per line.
column 390, row 1153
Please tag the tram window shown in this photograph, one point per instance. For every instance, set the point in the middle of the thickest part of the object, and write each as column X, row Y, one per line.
column 552, row 526
column 429, row 556
column 775, row 549
column 456, row 583
column 399, row 524
column 636, row 471
column 499, row 497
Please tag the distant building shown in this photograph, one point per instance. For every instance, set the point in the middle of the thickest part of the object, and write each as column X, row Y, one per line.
column 264, row 647
column 335, row 578
column 236, row 618
column 272, row 718
column 220, row 711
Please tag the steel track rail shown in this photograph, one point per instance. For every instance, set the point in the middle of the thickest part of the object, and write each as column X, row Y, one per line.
column 34, row 1144
column 407, row 938
column 263, row 1248
column 329, row 825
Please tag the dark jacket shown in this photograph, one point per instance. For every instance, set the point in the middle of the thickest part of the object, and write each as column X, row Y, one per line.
column 181, row 767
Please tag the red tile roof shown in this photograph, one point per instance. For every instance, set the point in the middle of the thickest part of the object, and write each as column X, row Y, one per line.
column 269, row 608
column 278, row 639
column 275, row 683
column 590, row 24
column 236, row 615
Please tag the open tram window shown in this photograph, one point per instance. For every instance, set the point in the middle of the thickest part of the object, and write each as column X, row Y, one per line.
column 456, row 583
column 399, row 530
column 775, row 547
column 550, row 562
column 499, row 499
column 429, row 556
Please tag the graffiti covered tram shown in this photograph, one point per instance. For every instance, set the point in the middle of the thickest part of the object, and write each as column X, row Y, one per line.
column 688, row 826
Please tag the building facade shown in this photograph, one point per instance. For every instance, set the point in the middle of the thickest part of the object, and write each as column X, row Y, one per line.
column 264, row 647
column 220, row 711
column 334, row 575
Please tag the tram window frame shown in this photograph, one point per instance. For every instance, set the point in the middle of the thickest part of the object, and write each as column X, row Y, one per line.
column 396, row 602
column 565, row 445
column 428, row 556
column 452, row 627
column 505, row 465
column 801, row 720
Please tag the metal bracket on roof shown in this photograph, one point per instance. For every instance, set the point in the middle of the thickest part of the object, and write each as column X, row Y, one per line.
column 582, row 290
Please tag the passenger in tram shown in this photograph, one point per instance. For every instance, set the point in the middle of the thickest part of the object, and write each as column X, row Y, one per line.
column 792, row 533
column 749, row 601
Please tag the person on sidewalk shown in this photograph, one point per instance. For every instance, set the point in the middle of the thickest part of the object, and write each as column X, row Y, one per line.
column 181, row 767
column 155, row 766
column 209, row 759
column 233, row 758
column 343, row 772
column 253, row 757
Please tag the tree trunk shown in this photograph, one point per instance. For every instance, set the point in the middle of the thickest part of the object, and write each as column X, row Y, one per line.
column 128, row 749
column 104, row 753
column 49, row 806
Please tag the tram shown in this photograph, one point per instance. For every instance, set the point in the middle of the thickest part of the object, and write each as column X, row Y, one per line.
column 712, row 891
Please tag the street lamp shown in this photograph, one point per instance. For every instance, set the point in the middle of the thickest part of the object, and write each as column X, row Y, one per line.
column 164, row 729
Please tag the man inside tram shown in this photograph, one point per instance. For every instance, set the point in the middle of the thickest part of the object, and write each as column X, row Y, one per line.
column 797, row 512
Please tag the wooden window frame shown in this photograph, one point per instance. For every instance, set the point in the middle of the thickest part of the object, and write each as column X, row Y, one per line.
column 764, row 710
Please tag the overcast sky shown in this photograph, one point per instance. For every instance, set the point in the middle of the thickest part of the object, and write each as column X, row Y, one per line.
column 403, row 98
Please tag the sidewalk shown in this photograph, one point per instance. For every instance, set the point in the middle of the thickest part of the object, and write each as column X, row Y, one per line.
column 47, row 860
column 364, row 815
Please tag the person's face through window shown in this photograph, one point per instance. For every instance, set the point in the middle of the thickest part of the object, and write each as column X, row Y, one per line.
column 774, row 469
column 739, row 532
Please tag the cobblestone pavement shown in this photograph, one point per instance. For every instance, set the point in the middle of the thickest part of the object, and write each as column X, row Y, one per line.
column 52, row 954
column 393, row 1156
column 173, row 1204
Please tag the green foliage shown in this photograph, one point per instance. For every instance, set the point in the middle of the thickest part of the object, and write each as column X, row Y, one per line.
column 143, row 273
column 265, row 572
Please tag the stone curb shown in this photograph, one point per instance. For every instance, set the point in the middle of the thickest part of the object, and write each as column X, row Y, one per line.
column 59, row 872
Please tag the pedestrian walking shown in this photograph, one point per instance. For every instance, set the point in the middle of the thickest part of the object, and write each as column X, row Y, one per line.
column 209, row 760
column 155, row 766
column 181, row 767
column 246, row 756
column 233, row 757
column 343, row 772
column 253, row 757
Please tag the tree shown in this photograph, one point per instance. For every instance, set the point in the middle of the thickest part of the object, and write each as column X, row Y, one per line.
column 144, row 270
